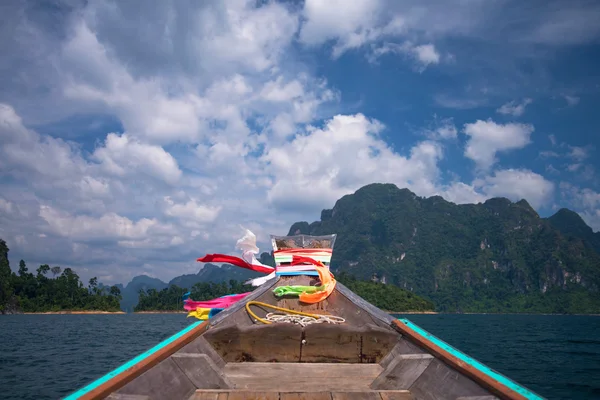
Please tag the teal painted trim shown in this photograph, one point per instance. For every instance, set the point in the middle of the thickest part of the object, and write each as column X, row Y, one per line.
column 131, row 363
column 471, row 361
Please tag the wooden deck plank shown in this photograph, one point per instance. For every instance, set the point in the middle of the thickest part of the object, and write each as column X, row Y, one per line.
column 396, row 395
column 253, row 395
column 305, row 396
column 355, row 396
column 206, row 395
column 311, row 377
column 234, row 394
column 120, row 396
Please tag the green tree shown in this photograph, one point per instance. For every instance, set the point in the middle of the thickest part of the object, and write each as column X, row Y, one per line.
column 6, row 289
column 55, row 270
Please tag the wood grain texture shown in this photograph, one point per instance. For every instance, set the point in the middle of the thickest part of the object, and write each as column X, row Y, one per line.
column 317, row 395
column 253, row 395
column 305, row 396
column 396, row 395
column 310, row 377
column 119, row 396
column 402, row 346
column 355, row 396
column 209, row 395
column 201, row 346
column 377, row 342
column 164, row 381
column 402, row 372
column 471, row 372
column 440, row 381
column 257, row 343
column 331, row 343
column 202, row 371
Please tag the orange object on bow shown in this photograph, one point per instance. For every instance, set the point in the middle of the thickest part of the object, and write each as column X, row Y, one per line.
column 327, row 281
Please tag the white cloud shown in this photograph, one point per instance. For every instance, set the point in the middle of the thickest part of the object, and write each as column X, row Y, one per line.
column 191, row 210
column 487, row 138
column 122, row 155
column 345, row 154
column 423, row 55
column 579, row 153
column 517, row 184
column 442, row 129
column 572, row 100
column 513, row 108
column 349, row 24
column 108, row 226
column 585, row 201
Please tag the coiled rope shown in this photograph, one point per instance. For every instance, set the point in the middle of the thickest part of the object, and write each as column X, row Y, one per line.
column 292, row 316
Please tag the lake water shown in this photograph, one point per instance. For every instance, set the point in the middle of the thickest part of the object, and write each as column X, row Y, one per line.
column 50, row 356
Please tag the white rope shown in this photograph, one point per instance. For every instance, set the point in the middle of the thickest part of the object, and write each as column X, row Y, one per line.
column 303, row 320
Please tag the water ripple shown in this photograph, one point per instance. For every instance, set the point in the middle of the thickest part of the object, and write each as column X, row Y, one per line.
column 50, row 356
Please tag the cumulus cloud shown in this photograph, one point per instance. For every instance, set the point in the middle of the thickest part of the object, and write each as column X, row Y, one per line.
column 122, row 155
column 349, row 25
column 514, row 108
column 517, row 184
column 339, row 158
column 487, row 138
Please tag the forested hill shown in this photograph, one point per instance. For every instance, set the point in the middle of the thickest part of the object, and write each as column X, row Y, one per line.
column 40, row 292
column 498, row 256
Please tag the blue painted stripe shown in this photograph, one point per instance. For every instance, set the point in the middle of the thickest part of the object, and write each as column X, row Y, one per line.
column 131, row 362
column 471, row 361
column 293, row 273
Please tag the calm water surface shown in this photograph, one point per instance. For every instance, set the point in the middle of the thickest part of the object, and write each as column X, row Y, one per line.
column 50, row 356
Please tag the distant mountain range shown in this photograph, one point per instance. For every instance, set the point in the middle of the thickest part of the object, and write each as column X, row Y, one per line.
column 496, row 256
column 209, row 273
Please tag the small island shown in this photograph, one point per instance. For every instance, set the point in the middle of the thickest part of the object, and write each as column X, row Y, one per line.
column 62, row 293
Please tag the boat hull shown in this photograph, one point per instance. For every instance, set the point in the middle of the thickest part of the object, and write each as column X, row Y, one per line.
column 370, row 355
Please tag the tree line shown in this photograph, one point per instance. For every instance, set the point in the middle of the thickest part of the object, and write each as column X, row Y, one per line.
column 386, row 297
column 171, row 298
column 25, row 291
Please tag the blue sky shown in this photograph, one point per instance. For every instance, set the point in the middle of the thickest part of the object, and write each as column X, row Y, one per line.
column 136, row 136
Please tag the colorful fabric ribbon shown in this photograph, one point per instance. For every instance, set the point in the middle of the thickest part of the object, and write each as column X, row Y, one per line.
column 204, row 313
column 300, row 259
column 204, row 310
column 223, row 258
column 219, row 302
column 310, row 294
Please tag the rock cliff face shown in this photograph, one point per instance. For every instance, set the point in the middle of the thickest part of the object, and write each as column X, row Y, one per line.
column 498, row 256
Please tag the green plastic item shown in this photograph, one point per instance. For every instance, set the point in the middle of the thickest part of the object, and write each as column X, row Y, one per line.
column 296, row 290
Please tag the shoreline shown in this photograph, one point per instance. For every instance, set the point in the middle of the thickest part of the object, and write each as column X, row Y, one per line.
column 160, row 312
column 73, row 312
column 410, row 312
